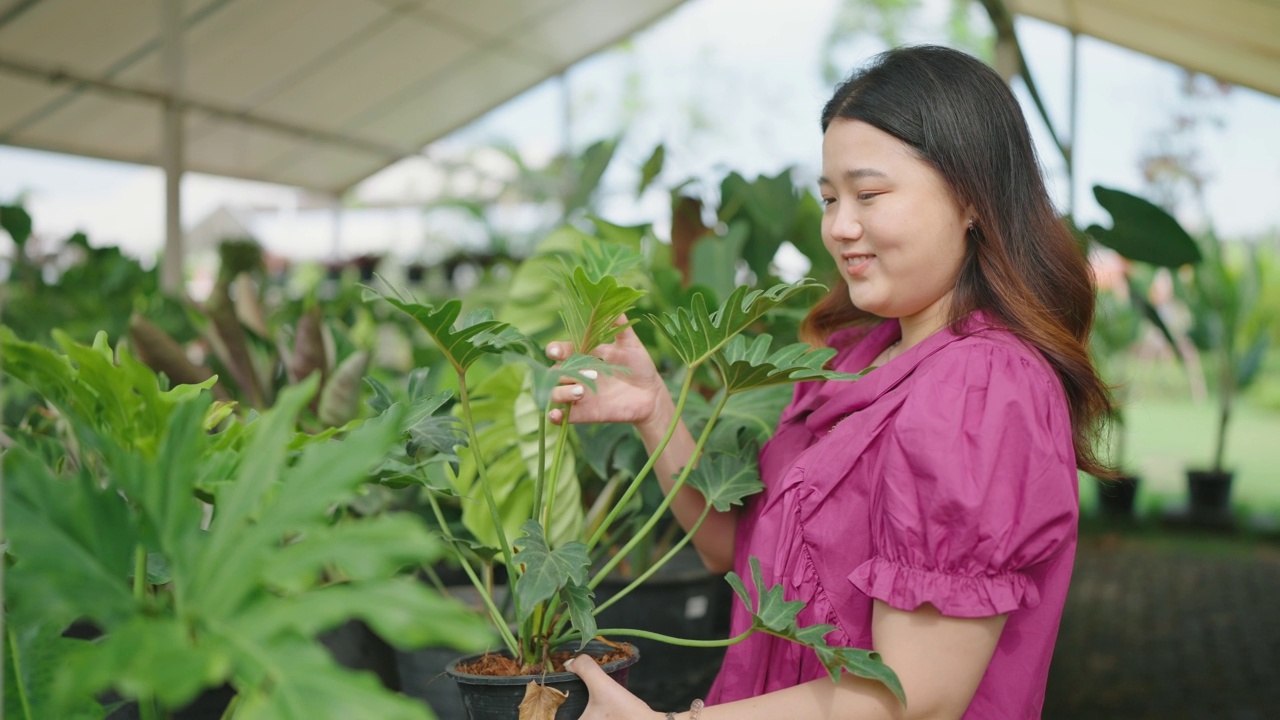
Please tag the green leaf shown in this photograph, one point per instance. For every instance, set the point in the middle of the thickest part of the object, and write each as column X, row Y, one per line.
column 652, row 168
column 33, row 654
column 340, row 397
column 462, row 345
column 715, row 259
column 807, row 237
column 545, row 378
column 746, row 366
column 15, row 221
column 546, row 571
column 591, row 166
column 776, row 615
column 1251, row 362
column 581, row 611
column 591, row 308
column 696, row 334
column 727, row 479
column 367, row 549
column 73, row 542
column 1142, row 231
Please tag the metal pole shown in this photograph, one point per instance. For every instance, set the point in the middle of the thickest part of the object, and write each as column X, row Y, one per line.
column 1072, row 124
column 171, row 274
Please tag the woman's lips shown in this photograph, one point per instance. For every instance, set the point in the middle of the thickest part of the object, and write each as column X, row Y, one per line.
column 857, row 264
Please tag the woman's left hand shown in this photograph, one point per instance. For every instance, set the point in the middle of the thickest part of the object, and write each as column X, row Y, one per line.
column 608, row 700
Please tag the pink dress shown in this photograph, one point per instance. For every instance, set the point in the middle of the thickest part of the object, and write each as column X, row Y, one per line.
column 947, row 476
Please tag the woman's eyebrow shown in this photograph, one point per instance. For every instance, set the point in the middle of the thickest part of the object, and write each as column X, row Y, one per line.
column 855, row 174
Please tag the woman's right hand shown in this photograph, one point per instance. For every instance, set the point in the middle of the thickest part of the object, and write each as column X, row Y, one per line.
column 636, row 396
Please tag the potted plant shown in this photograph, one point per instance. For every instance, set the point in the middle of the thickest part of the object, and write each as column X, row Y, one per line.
column 1223, row 298
column 104, row 528
column 1117, row 328
column 551, row 611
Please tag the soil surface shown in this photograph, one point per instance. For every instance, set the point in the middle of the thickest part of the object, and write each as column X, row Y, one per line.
column 500, row 665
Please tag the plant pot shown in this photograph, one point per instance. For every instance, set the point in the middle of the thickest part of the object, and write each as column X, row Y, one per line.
column 1116, row 497
column 1210, row 491
column 488, row 697
column 682, row 600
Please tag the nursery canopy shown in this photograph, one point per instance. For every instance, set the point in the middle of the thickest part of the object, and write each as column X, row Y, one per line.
column 1233, row 40
column 317, row 94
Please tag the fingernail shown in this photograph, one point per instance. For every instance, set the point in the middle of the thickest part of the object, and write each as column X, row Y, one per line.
column 555, row 415
column 590, row 374
column 554, row 351
column 578, row 391
column 567, row 662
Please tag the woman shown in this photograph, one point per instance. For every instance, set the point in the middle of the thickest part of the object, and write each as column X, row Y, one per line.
column 927, row 510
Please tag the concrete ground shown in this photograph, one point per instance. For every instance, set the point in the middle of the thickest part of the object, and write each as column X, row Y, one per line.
column 1169, row 625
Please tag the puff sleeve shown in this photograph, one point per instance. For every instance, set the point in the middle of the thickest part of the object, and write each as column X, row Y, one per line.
column 978, row 485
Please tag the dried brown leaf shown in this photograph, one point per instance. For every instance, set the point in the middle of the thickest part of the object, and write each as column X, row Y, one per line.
column 540, row 702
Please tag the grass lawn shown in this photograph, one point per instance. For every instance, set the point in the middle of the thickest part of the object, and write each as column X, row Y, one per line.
column 1167, row 435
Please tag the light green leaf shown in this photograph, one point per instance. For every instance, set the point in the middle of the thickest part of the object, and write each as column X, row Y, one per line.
column 696, row 334
column 544, row 378
column 546, row 571
column 366, row 549
column 33, row 654
column 591, row 308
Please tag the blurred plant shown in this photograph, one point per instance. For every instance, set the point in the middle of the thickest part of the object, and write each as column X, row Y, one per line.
column 107, row 530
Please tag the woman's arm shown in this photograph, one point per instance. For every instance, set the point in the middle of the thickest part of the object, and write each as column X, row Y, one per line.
column 940, row 661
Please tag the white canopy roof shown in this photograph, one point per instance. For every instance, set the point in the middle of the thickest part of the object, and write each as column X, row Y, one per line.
column 317, row 94
column 1233, row 40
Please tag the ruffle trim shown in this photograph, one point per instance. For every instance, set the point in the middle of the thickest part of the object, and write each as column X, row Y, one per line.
column 964, row 596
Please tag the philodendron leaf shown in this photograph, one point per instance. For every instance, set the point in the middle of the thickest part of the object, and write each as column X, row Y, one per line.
column 697, row 334
column 745, row 366
column 776, row 616
column 33, row 654
column 464, row 344
column 546, row 571
column 726, row 479
column 581, row 611
column 592, row 306
column 1143, row 231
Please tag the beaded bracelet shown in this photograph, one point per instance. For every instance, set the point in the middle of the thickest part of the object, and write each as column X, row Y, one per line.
column 694, row 709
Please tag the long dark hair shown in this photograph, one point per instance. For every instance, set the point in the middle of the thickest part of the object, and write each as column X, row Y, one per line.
column 1022, row 266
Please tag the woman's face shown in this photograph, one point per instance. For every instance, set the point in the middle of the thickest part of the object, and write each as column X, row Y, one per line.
column 890, row 221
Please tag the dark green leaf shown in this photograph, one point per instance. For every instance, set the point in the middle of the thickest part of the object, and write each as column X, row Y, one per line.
column 581, row 611
column 463, row 345
column 15, row 221
column 546, row 571
column 1142, row 231
column 727, row 479
column 746, row 366
column 652, row 167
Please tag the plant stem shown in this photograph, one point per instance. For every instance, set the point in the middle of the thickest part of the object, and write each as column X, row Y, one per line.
column 683, row 642
column 140, row 573
column 1226, row 389
column 657, row 565
column 485, row 595
column 648, row 466
column 230, row 712
column 540, row 480
column 671, row 495
column 554, row 481
column 16, row 659
column 513, row 572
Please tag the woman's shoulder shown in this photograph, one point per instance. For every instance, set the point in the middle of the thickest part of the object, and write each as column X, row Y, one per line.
column 984, row 353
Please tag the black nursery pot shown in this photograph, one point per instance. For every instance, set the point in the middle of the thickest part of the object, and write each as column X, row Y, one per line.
column 1209, row 490
column 1116, row 497
column 487, row 697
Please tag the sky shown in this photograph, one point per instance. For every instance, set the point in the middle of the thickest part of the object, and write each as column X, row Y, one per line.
column 735, row 85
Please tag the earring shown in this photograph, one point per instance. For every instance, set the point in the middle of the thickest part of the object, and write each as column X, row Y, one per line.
column 970, row 224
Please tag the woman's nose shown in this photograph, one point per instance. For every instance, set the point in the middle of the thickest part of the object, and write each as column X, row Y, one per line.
column 845, row 225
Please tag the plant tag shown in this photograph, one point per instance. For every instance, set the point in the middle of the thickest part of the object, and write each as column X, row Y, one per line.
column 695, row 607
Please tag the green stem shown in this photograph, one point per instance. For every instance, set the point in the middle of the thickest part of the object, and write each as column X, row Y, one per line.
column 657, row 565
column 485, row 595
column 140, row 573
column 666, row 502
column 683, row 642
column 230, row 712
column 16, row 659
column 554, row 481
column 540, row 480
column 648, row 466
column 464, row 397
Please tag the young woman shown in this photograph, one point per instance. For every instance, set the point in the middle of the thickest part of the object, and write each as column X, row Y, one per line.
column 927, row 510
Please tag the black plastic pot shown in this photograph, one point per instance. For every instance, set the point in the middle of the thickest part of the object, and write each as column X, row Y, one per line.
column 1116, row 497
column 486, row 697
column 1210, row 491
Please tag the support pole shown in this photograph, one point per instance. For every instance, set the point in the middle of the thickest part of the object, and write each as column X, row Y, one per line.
column 1073, row 125
column 171, row 271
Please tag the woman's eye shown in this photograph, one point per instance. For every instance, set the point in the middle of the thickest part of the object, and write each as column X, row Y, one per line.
column 828, row 201
column 866, row 196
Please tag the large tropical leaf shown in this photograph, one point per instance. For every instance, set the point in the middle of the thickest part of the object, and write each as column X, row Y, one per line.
column 728, row 479
column 775, row 615
column 696, row 333
column 746, row 366
column 462, row 344
column 591, row 307
column 1143, row 231
column 33, row 653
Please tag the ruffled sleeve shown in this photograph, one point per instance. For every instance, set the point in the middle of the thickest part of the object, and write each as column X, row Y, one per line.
column 977, row 485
